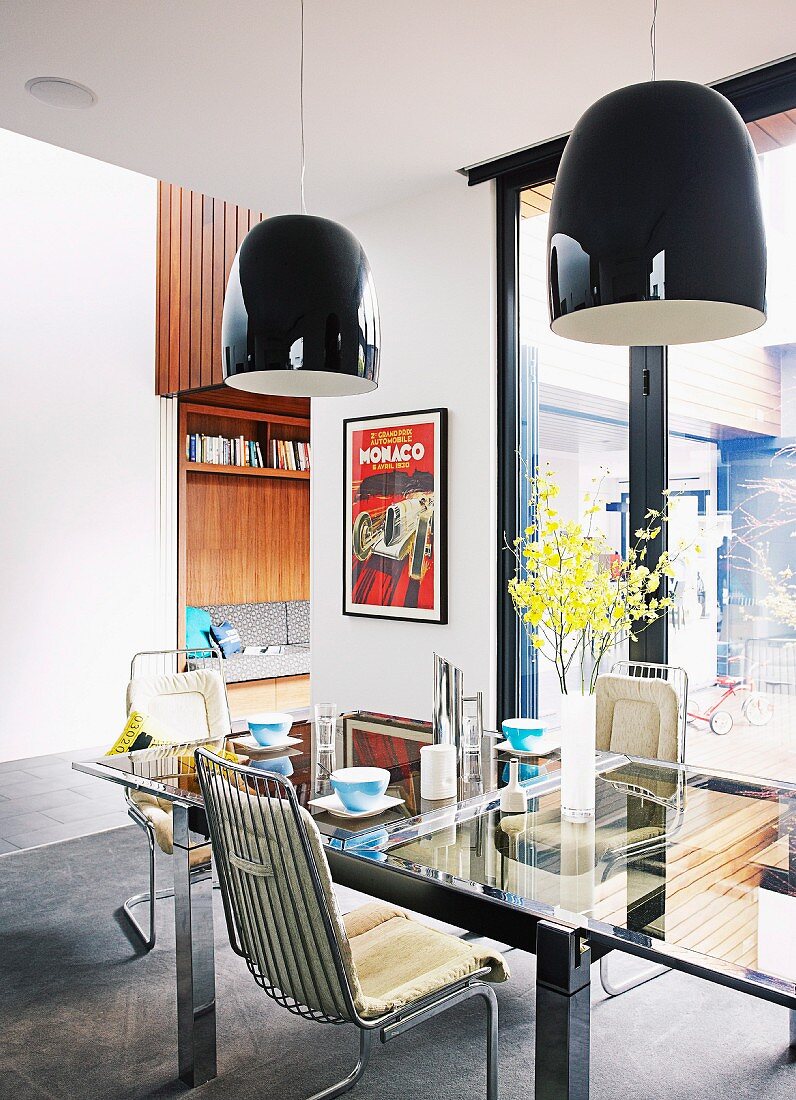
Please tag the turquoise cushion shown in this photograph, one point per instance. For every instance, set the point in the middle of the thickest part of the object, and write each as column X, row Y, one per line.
column 197, row 627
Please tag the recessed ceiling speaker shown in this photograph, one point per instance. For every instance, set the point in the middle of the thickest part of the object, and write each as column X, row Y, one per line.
column 57, row 91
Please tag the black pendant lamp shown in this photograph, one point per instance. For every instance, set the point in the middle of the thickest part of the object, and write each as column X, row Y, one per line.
column 300, row 313
column 656, row 228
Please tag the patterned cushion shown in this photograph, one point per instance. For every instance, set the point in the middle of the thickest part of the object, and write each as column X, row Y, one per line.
column 257, row 623
column 298, row 621
column 294, row 661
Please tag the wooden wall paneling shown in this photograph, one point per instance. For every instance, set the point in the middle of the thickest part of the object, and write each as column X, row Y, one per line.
column 195, row 301
column 219, row 285
column 198, row 237
column 185, row 286
column 230, row 237
column 163, row 273
column 244, row 217
column 174, row 292
column 246, row 539
column 206, row 350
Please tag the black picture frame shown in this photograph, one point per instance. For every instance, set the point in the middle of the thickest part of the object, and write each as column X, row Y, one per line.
column 439, row 526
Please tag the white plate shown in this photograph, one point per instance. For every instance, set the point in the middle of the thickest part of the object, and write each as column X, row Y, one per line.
column 547, row 743
column 332, row 804
column 248, row 742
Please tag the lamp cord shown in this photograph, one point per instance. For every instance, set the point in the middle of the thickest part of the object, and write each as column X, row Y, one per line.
column 301, row 103
column 652, row 33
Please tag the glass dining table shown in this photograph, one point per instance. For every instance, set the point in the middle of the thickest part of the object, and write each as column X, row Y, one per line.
column 692, row 871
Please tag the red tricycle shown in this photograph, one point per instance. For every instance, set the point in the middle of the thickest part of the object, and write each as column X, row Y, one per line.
column 756, row 708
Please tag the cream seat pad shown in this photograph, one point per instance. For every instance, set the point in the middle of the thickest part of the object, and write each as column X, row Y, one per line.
column 637, row 717
column 191, row 704
column 399, row 960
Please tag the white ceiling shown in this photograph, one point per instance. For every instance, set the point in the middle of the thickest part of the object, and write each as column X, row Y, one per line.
column 399, row 93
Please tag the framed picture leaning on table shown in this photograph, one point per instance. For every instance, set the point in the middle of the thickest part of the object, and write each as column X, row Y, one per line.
column 395, row 500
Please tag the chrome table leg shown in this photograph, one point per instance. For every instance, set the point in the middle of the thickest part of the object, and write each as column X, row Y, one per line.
column 563, row 1014
column 792, row 1014
column 193, row 925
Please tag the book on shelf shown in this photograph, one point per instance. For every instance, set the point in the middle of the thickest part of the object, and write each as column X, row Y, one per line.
column 290, row 454
column 218, row 450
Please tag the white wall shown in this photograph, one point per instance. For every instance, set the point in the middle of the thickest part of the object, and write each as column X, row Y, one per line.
column 434, row 268
column 78, row 443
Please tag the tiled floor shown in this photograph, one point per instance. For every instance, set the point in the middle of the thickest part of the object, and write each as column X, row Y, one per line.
column 43, row 800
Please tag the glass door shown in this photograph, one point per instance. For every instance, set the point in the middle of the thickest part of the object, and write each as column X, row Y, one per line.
column 572, row 419
column 732, row 466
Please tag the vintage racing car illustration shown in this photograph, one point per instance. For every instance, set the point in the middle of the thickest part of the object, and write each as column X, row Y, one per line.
column 403, row 529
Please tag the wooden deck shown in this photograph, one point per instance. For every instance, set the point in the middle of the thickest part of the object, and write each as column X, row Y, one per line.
column 767, row 752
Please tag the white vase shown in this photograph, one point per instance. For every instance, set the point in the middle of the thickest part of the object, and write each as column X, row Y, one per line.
column 578, row 720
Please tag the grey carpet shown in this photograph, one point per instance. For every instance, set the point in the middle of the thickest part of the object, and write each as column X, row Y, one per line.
column 83, row 1016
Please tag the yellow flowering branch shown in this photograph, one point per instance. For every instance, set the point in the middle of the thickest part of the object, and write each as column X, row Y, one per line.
column 575, row 597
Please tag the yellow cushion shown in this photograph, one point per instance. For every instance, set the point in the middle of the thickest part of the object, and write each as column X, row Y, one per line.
column 141, row 731
column 398, row 960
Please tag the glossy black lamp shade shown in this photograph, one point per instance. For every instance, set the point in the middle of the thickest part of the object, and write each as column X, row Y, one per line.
column 656, row 228
column 300, row 314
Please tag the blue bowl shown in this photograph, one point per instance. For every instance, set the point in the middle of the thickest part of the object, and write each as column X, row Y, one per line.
column 360, row 789
column 270, row 728
column 282, row 765
column 523, row 733
column 370, row 845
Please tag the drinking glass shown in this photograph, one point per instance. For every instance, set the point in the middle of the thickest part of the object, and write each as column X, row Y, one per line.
column 325, row 725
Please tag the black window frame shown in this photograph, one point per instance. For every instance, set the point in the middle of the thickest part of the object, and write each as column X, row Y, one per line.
column 756, row 94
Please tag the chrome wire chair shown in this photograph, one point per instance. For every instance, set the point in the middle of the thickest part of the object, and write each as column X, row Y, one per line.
column 283, row 919
column 672, row 746
column 157, row 680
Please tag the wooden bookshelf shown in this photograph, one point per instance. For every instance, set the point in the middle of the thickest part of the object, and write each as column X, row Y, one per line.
column 243, row 530
column 244, row 471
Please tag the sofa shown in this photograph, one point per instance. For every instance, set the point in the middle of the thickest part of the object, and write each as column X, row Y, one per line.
column 285, row 623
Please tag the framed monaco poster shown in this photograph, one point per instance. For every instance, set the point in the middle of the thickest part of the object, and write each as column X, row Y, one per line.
column 395, row 516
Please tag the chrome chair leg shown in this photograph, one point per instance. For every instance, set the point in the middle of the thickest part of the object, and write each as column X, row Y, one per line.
column 491, row 1043
column 149, row 896
column 365, row 1047
column 616, row 989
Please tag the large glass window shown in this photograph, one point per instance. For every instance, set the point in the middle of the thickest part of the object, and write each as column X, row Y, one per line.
column 574, row 417
column 732, row 463
column 731, row 467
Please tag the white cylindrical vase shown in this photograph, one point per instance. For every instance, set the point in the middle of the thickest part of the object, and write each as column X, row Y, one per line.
column 578, row 720
column 438, row 772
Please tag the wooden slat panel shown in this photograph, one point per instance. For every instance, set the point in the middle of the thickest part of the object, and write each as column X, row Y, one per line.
column 195, row 303
column 219, row 285
column 163, row 286
column 243, row 225
column 230, row 237
column 206, row 354
column 185, row 286
column 198, row 237
column 174, row 293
